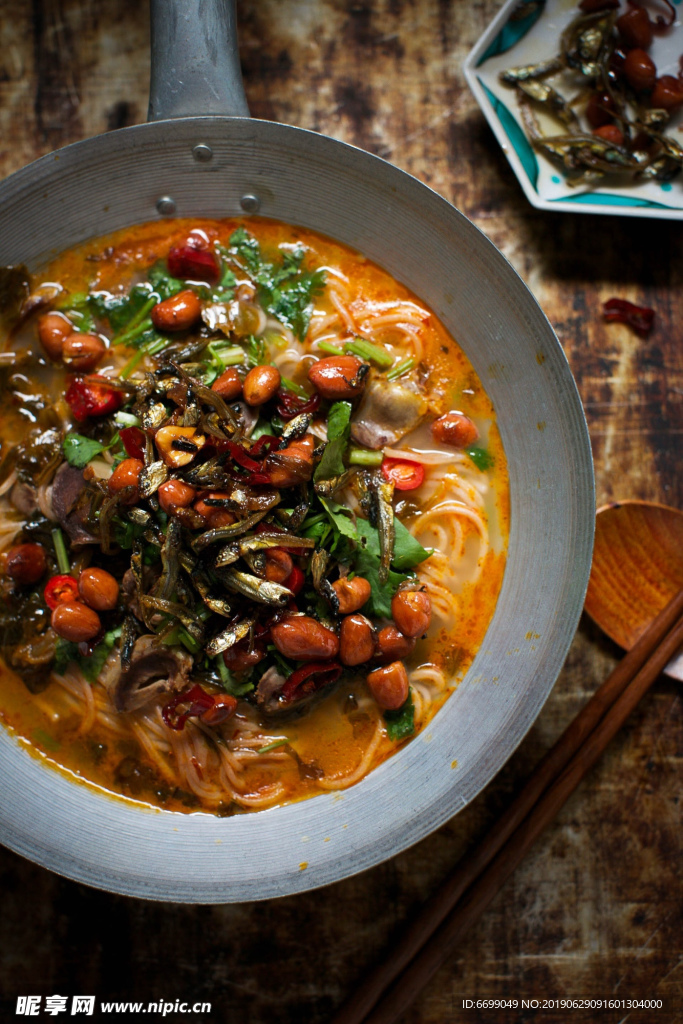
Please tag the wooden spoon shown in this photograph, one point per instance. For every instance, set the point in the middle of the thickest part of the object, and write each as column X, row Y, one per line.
column 637, row 569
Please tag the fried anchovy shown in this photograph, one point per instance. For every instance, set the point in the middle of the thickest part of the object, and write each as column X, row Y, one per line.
column 178, row 611
column 228, row 637
column 129, row 634
column 367, row 496
column 552, row 102
column 138, row 516
column 169, row 560
column 151, row 478
column 327, row 488
column 256, row 560
column 208, row 474
column 107, row 510
column 226, row 556
column 219, row 605
column 294, row 519
column 322, row 586
column 385, row 526
column 531, row 71
column 226, row 532
column 137, row 570
column 274, row 540
column 209, row 397
column 257, row 589
column 295, row 429
column 154, row 415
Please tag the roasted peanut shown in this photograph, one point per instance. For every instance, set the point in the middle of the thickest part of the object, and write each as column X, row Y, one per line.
column 392, row 644
column 278, row 565
column 338, row 377
column 83, row 352
column 303, row 639
column 389, row 685
column 412, row 611
column 99, row 589
column 126, row 475
column 640, row 70
column 26, row 563
column 75, row 622
column 455, row 429
column 228, row 385
column 214, row 515
column 356, row 640
column 175, row 494
column 178, row 313
column 177, row 446
column 53, row 330
column 635, row 27
column 293, row 465
column 352, row 594
column 260, row 384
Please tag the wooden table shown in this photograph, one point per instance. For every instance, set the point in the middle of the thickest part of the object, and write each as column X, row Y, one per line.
column 595, row 910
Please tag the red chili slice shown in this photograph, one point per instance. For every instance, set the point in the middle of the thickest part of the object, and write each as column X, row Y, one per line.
column 224, row 707
column 92, row 397
column 309, row 678
column 291, row 405
column 265, row 444
column 197, row 701
column 189, row 263
column 242, row 457
column 405, row 475
column 295, row 580
column 640, row 318
column 60, row 590
column 133, row 440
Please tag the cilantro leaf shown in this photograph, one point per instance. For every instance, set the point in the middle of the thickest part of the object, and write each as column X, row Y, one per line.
column 338, row 434
column 481, row 457
column 79, row 450
column 401, row 723
column 162, row 282
column 286, row 291
column 339, row 516
column 119, row 310
column 408, row 552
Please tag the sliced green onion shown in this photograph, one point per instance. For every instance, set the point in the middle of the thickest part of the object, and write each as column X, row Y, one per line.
column 132, row 363
column 224, row 354
column 126, row 419
column 131, row 333
column 60, row 550
column 157, row 346
column 223, row 670
column 365, row 457
column 261, row 428
column 296, row 388
column 137, row 319
column 371, row 353
column 273, row 746
column 332, row 350
column 401, row 368
column 272, row 337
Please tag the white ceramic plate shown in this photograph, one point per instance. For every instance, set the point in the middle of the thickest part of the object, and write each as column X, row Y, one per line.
column 510, row 41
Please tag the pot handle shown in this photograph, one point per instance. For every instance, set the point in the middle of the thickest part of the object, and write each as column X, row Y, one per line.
column 195, row 60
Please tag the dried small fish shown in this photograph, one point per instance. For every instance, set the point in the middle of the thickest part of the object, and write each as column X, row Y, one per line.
column 138, row 516
column 256, row 560
column 151, row 478
column 228, row 637
column 219, row 605
column 189, row 620
column 227, row 556
column 154, row 416
column 274, row 540
column 327, row 488
column 319, row 565
column 226, row 532
column 129, row 635
column 551, row 101
column 385, row 525
column 170, row 564
column 295, row 429
column 294, row 518
column 255, row 588
column 527, row 72
column 587, row 40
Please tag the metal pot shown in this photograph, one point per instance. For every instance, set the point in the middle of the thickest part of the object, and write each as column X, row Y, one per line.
column 201, row 154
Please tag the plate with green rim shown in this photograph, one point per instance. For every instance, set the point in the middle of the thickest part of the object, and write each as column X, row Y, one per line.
column 527, row 32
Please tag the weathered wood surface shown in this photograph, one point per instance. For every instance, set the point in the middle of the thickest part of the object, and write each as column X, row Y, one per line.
column 595, row 910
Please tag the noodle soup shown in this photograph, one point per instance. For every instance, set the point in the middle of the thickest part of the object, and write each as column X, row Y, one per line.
column 254, row 514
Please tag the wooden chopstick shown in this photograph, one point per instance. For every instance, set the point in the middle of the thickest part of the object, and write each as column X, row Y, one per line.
column 381, row 998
